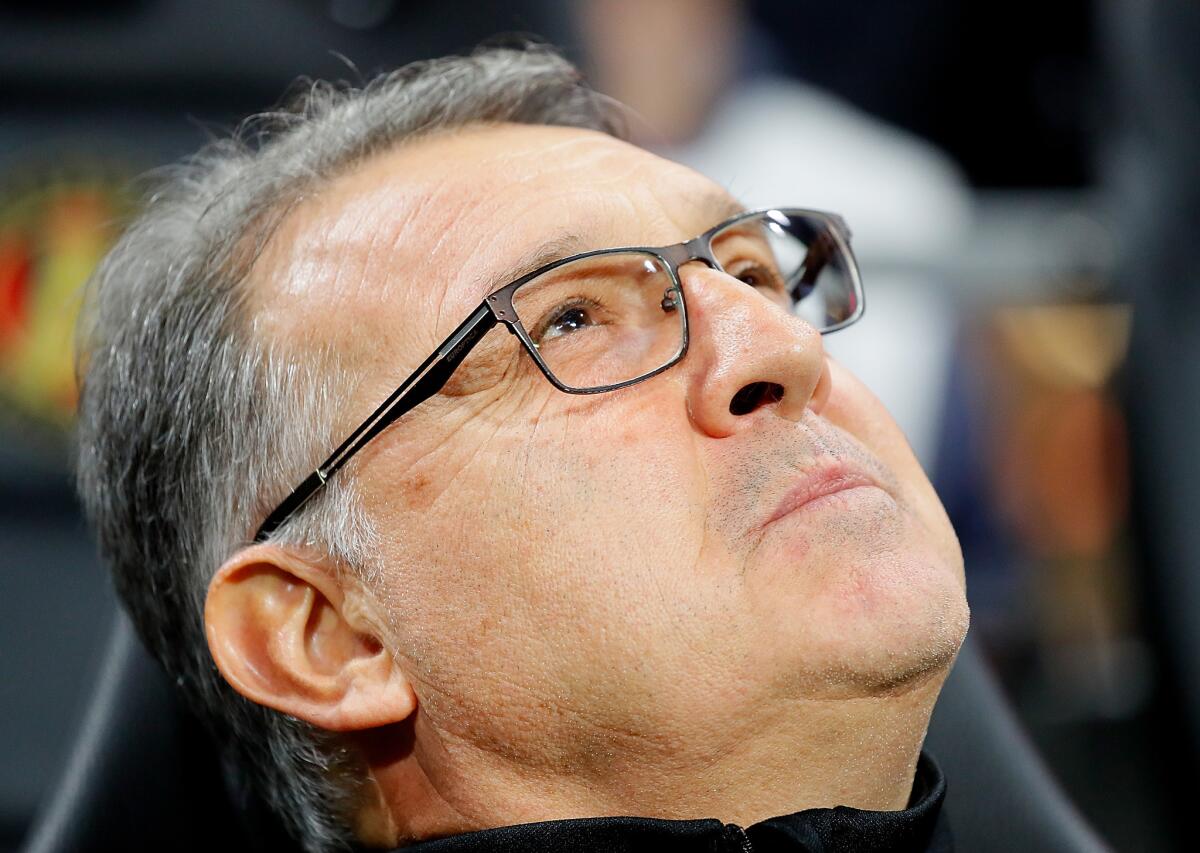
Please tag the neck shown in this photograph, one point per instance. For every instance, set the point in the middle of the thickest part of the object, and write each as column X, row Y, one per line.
column 859, row 752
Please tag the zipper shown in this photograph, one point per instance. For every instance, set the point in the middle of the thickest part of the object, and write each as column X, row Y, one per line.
column 739, row 837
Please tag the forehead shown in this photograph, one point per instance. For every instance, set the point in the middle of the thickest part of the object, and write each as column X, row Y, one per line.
column 410, row 241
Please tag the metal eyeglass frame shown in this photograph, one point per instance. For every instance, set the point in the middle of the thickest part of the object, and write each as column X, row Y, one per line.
column 433, row 373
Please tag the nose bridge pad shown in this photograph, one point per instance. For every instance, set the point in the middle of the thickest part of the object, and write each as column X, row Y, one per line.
column 680, row 255
column 670, row 302
column 755, row 395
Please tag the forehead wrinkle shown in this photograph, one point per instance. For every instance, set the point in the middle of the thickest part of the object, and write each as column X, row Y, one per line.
column 448, row 287
column 571, row 235
column 401, row 248
column 405, row 270
column 456, row 245
column 493, row 259
column 332, row 240
column 694, row 208
column 304, row 266
column 687, row 199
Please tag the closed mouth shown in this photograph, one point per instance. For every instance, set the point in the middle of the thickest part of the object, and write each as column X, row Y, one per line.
column 819, row 483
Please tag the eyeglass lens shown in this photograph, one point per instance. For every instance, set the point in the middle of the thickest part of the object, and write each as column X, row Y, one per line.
column 795, row 259
column 603, row 320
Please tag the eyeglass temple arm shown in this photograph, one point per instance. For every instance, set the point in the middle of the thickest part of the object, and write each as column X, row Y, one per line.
column 429, row 378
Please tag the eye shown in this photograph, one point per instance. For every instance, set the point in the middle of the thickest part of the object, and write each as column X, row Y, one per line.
column 760, row 277
column 749, row 277
column 567, row 320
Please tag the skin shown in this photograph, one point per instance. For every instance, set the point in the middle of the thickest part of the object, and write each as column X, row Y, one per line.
column 579, row 607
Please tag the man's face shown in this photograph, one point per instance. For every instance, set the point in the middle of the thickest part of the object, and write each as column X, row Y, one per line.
column 557, row 572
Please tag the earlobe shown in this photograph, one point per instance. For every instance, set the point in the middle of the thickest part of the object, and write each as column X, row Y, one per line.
column 283, row 635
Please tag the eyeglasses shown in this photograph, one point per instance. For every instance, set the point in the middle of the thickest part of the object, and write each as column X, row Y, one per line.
column 610, row 318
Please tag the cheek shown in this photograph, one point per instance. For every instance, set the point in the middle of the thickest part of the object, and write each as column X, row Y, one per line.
column 597, row 474
column 561, row 509
column 853, row 408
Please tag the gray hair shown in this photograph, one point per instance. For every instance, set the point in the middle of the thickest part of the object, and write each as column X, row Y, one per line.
column 192, row 425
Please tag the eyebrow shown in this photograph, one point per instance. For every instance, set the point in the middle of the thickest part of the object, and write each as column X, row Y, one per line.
column 721, row 205
column 548, row 251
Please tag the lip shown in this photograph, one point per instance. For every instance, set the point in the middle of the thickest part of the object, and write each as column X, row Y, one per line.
column 820, row 483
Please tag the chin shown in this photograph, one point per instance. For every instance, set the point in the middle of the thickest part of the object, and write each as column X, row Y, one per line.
column 868, row 618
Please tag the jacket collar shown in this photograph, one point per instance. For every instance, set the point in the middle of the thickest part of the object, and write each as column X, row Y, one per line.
column 915, row 829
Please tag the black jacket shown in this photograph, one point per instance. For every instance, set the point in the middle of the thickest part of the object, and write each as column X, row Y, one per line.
column 920, row 828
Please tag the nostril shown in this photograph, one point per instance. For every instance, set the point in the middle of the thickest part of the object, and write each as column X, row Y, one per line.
column 754, row 395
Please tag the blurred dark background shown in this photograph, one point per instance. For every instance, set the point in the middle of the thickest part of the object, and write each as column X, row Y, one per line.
column 1023, row 183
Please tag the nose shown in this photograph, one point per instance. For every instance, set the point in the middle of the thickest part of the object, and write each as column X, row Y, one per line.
column 748, row 357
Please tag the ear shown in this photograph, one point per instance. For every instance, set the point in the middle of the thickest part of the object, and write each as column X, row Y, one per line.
column 283, row 635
